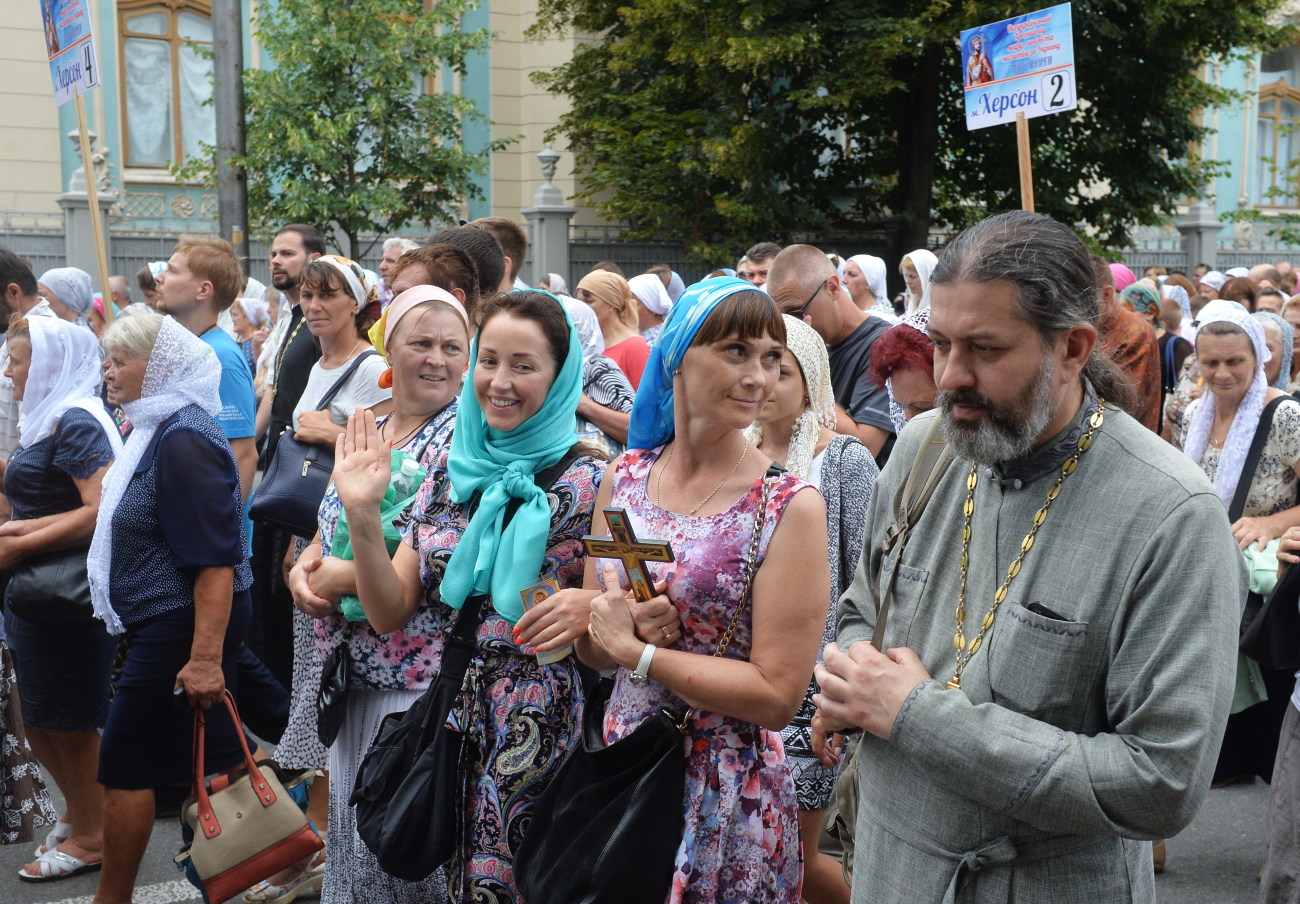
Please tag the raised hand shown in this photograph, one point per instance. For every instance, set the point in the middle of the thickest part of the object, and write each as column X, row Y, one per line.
column 362, row 464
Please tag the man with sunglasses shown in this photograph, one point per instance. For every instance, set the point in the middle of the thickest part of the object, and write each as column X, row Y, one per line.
column 804, row 284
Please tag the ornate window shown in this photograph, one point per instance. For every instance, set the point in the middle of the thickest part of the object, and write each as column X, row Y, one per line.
column 1278, row 141
column 166, row 79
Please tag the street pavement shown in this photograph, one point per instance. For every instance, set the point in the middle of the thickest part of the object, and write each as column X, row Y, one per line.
column 1213, row 862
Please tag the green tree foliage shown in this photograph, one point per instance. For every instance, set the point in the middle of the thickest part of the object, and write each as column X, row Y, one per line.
column 341, row 131
column 721, row 122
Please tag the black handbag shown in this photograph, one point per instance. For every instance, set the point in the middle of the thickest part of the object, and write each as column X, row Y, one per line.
column 406, row 792
column 295, row 481
column 332, row 697
column 1253, row 610
column 608, row 826
column 51, row 588
column 1273, row 636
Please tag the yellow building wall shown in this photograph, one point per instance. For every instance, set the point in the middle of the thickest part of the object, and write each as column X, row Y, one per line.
column 524, row 110
column 29, row 122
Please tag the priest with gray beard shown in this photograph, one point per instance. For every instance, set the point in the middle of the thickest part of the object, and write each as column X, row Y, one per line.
column 1031, row 717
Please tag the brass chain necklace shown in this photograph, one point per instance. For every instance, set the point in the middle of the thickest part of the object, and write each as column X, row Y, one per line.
column 965, row 651
column 659, row 494
column 279, row 358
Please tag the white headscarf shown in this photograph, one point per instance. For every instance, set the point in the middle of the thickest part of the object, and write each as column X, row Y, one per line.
column 649, row 290
column 585, row 322
column 557, row 284
column 923, row 262
column 182, row 370
column 810, row 351
column 1235, row 449
column 255, row 310
column 64, row 373
column 875, row 271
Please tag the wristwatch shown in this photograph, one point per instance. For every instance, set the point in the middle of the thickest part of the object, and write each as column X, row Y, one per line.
column 642, row 672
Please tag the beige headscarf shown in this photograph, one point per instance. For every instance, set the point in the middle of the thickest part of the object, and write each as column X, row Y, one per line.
column 810, row 351
column 614, row 291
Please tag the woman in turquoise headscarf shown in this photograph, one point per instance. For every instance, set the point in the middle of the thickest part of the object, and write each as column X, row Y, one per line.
column 691, row 478
column 516, row 419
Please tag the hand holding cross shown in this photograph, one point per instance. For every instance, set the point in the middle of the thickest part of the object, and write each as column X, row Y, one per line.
column 622, row 544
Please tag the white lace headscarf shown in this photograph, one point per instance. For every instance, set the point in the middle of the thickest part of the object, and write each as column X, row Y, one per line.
column 1233, row 457
column 1179, row 295
column 810, row 351
column 64, row 373
column 182, row 370
column 919, row 321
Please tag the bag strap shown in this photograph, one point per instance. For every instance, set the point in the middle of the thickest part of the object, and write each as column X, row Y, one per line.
column 343, row 379
column 751, row 566
column 929, row 466
column 1170, row 378
column 1252, row 459
column 207, row 818
column 471, row 614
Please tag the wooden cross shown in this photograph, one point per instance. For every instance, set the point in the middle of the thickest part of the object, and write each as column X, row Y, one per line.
column 623, row 545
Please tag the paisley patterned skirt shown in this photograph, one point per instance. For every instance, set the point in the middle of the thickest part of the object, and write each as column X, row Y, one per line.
column 519, row 718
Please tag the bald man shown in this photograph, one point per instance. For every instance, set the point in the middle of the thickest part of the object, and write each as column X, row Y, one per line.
column 804, row 284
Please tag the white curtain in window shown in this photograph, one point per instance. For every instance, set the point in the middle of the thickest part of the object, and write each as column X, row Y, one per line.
column 198, row 120
column 148, row 101
column 1264, row 161
column 1286, row 140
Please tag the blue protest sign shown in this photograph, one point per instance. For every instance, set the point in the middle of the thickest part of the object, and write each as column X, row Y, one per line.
column 68, row 45
column 1019, row 65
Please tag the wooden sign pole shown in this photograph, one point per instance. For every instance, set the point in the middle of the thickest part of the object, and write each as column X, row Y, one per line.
column 1026, row 166
column 92, row 194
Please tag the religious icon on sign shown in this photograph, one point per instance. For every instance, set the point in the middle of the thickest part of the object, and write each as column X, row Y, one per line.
column 622, row 544
column 979, row 70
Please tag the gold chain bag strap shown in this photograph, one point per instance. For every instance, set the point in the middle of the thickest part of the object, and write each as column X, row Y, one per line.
column 751, row 566
column 608, row 826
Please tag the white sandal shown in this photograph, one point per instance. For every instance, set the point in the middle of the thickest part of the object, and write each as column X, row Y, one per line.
column 61, row 832
column 55, row 865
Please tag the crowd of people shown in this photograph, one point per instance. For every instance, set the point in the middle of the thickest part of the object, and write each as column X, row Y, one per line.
column 1071, row 426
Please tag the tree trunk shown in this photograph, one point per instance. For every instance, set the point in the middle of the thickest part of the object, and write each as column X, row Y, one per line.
column 916, row 118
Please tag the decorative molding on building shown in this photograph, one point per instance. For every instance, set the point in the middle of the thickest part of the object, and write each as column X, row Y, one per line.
column 182, row 205
column 143, row 205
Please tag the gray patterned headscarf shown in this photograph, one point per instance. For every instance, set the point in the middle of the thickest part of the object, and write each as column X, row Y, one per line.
column 1288, row 346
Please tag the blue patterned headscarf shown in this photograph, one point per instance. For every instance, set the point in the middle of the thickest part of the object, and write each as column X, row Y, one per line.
column 501, row 464
column 652, row 414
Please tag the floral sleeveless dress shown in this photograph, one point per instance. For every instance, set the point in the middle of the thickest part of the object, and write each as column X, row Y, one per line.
column 741, row 836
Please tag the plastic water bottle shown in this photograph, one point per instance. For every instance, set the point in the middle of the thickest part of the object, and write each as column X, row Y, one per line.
column 407, row 479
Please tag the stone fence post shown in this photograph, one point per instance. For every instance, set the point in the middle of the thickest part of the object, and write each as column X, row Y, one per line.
column 548, row 226
column 79, row 234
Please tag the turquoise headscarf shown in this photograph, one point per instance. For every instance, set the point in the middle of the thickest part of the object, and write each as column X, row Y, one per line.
column 489, row 559
column 652, row 412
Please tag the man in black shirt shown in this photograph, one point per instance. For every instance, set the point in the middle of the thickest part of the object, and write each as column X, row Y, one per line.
column 271, row 631
column 803, row 282
column 294, row 247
